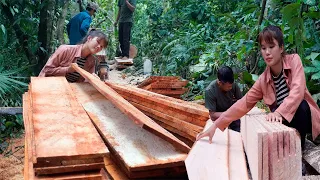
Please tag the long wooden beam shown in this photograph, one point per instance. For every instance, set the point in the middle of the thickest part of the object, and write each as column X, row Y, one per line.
column 132, row 112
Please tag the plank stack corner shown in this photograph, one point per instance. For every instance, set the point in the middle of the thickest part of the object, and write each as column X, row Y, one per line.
column 57, row 132
column 273, row 149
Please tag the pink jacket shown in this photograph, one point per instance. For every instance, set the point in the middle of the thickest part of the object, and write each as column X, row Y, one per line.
column 264, row 89
column 62, row 58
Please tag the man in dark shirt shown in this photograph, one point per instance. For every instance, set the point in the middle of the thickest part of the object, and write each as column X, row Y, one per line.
column 221, row 94
column 78, row 26
column 125, row 19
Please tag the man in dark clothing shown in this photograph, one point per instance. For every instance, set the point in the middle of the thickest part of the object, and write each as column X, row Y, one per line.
column 221, row 94
column 125, row 19
column 78, row 26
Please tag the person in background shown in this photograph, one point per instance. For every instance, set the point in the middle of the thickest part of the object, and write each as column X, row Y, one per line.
column 59, row 64
column 125, row 19
column 282, row 86
column 78, row 26
column 221, row 94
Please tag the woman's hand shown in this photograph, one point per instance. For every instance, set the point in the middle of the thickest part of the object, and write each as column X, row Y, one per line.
column 209, row 132
column 274, row 117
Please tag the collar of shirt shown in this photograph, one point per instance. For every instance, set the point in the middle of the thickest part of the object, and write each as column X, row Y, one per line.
column 286, row 66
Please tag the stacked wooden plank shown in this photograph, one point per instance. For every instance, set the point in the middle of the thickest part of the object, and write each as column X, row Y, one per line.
column 166, row 85
column 223, row 159
column 132, row 112
column 138, row 152
column 60, row 137
column 273, row 149
column 183, row 118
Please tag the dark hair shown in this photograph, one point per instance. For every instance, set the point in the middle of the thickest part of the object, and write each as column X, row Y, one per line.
column 89, row 9
column 269, row 33
column 96, row 33
column 225, row 74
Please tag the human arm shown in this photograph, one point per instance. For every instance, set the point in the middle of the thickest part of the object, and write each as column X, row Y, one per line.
column 131, row 5
column 57, row 64
column 214, row 115
column 85, row 26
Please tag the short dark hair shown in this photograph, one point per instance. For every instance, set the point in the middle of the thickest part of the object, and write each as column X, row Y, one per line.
column 96, row 33
column 225, row 74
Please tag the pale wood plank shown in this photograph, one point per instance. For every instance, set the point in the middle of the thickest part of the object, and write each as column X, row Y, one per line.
column 237, row 161
column 209, row 161
column 132, row 112
column 136, row 150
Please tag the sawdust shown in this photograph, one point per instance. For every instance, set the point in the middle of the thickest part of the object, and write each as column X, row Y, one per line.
column 12, row 160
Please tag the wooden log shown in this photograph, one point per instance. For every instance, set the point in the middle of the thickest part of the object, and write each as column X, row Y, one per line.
column 62, row 129
column 11, row 110
column 209, row 161
column 169, row 102
column 132, row 112
column 136, row 150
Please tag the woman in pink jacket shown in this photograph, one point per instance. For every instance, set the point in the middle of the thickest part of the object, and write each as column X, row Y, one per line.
column 282, row 86
column 59, row 64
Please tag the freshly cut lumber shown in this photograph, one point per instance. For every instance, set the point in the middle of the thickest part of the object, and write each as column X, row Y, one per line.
column 209, row 161
column 237, row 161
column 169, row 91
column 192, row 109
column 151, row 79
column 28, row 171
column 62, row 129
column 132, row 112
column 68, row 168
column 113, row 170
column 256, row 147
column 166, row 85
column 138, row 152
column 283, row 152
column 179, row 114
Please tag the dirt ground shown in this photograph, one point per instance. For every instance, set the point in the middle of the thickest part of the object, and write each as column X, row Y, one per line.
column 12, row 160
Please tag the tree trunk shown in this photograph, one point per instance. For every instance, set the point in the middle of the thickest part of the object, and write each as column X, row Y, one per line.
column 61, row 20
column 23, row 38
column 254, row 59
column 44, row 32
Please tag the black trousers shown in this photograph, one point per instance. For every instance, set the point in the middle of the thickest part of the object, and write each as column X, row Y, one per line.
column 235, row 125
column 301, row 121
column 124, row 37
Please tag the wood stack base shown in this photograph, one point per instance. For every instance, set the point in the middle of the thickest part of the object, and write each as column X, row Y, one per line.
column 166, row 85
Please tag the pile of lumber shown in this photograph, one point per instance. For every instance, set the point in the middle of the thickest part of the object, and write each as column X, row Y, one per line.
column 138, row 152
column 167, row 85
column 60, row 137
column 223, row 159
column 273, row 149
column 183, row 118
